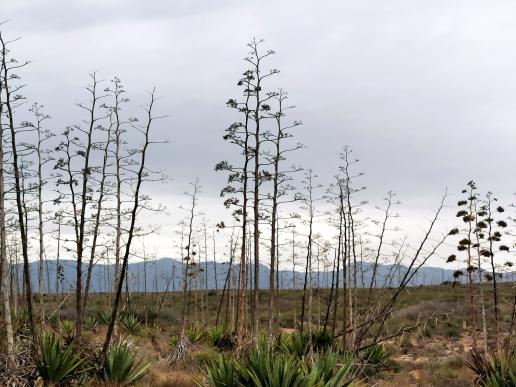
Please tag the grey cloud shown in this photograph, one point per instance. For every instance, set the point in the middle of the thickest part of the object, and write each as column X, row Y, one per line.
column 422, row 91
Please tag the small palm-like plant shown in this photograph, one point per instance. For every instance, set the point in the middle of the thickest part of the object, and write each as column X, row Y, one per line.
column 296, row 344
column 493, row 369
column 326, row 372
column 173, row 340
column 121, row 365
column 55, row 362
column 194, row 333
column 263, row 367
column 104, row 317
column 67, row 330
column 155, row 326
column 215, row 336
column 321, row 339
column 130, row 324
column 220, row 373
column 375, row 357
column 90, row 323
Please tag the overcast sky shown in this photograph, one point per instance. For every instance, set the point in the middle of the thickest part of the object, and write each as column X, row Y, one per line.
column 423, row 91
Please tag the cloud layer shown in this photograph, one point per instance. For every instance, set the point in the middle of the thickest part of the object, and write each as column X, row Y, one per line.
column 424, row 92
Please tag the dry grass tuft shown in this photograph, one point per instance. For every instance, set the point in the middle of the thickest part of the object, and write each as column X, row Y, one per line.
column 163, row 375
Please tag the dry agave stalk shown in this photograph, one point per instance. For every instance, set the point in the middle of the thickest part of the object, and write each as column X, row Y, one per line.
column 180, row 351
column 243, row 347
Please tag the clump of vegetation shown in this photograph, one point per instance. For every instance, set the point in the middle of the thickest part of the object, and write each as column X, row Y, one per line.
column 300, row 344
column 215, row 336
column 263, row 366
column 90, row 323
column 130, row 324
column 57, row 363
column 296, row 344
column 493, row 369
column 121, row 364
column 104, row 317
column 375, row 358
column 221, row 372
column 194, row 333
column 173, row 340
column 326, row 370
column 321, row 339
column 68, row 330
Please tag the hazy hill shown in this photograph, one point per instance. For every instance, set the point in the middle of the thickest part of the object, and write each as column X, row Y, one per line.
column 160, row 275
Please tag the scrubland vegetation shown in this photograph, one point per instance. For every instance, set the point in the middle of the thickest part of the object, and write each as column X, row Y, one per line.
column 80, row 193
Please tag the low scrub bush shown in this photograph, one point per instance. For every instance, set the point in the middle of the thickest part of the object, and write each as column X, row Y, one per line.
column 130, row 324
column 375, row 358
column 495, row 369
column 321, row 340
column 221, row 372
column 173, row 340
column 215, row 335
column 121, row 365
column 326, row 371
column 68, row 330
column 57, row 363
column 104, row 317
column 263, row 366
column 296, row 344
column 90, row 323
column 194, row 333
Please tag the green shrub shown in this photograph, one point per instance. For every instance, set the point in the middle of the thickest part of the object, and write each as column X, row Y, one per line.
column 495, row 369
column 295, row 344
column 326, row 372
column 220, row 373
column 321, row 339
column 264, row 367
column 104, row 317
column 55, row 362
column 121, row 365
column 155, row 326
column 68, row 330
column 130, row 324
column 375, row 357
column 451, row 331
column 194, row 333
column 215, row 336
column 90, row 323
column 173, row 340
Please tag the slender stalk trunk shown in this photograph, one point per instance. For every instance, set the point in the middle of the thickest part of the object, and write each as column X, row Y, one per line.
column 3, row 249
column 86, row 171
column 189, row 258
column 493, row 272
column 18, row 188
column 96, row 227
column 130, row 235
column 472, row 304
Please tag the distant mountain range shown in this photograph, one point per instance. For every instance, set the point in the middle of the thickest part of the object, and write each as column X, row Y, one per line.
column 165, row 274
